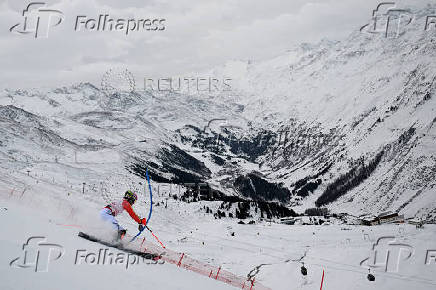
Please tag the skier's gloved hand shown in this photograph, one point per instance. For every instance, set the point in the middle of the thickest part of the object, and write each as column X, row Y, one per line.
column 140, row 227
column 143, row 222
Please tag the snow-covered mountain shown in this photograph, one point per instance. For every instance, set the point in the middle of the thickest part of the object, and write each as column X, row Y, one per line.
column 346, row 125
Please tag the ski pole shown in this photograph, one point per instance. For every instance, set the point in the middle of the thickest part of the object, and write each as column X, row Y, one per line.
column 155, row 236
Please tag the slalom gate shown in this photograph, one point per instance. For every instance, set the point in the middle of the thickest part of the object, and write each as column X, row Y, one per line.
column 184, row 261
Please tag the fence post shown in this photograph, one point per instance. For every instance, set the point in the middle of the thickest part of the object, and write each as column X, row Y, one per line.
column 322, row 279
column 217, row 273
column 180, row 261
column 23, row 192
column 143, row 240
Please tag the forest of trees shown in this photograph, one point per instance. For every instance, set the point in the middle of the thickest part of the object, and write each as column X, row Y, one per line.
column 348, row 181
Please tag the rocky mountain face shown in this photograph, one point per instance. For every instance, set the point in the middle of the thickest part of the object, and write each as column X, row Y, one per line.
column 345, row 125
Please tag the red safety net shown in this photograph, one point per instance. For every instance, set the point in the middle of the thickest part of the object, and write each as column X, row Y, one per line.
column 184, row 261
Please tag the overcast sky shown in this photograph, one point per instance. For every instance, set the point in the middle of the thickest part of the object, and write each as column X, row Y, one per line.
column 198, row 35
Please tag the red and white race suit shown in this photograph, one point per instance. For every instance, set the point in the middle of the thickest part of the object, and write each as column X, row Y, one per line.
column 115, row 208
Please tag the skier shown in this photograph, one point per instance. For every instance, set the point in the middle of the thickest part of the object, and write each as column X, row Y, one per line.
column 109, row 212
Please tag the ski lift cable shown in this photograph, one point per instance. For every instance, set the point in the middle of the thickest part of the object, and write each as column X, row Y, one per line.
column 387, row 275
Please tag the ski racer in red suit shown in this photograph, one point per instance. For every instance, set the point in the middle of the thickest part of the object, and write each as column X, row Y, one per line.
column 109, row 212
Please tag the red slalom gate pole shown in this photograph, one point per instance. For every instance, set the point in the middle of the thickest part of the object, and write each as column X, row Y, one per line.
column 322, row 279
column 158, row 240
column 252, row 283
column 155, row 237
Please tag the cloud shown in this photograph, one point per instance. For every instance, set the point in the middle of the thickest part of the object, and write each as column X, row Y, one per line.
column 198, row 35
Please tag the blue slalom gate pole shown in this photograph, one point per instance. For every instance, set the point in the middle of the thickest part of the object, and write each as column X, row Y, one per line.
column 151, row 206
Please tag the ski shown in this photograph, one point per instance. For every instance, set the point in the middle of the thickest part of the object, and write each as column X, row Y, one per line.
column 119, row 246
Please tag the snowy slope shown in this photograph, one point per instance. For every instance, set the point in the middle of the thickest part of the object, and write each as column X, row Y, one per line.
column 309, row 120
column 271, row 253
column 345, row 125
column 331, row 104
